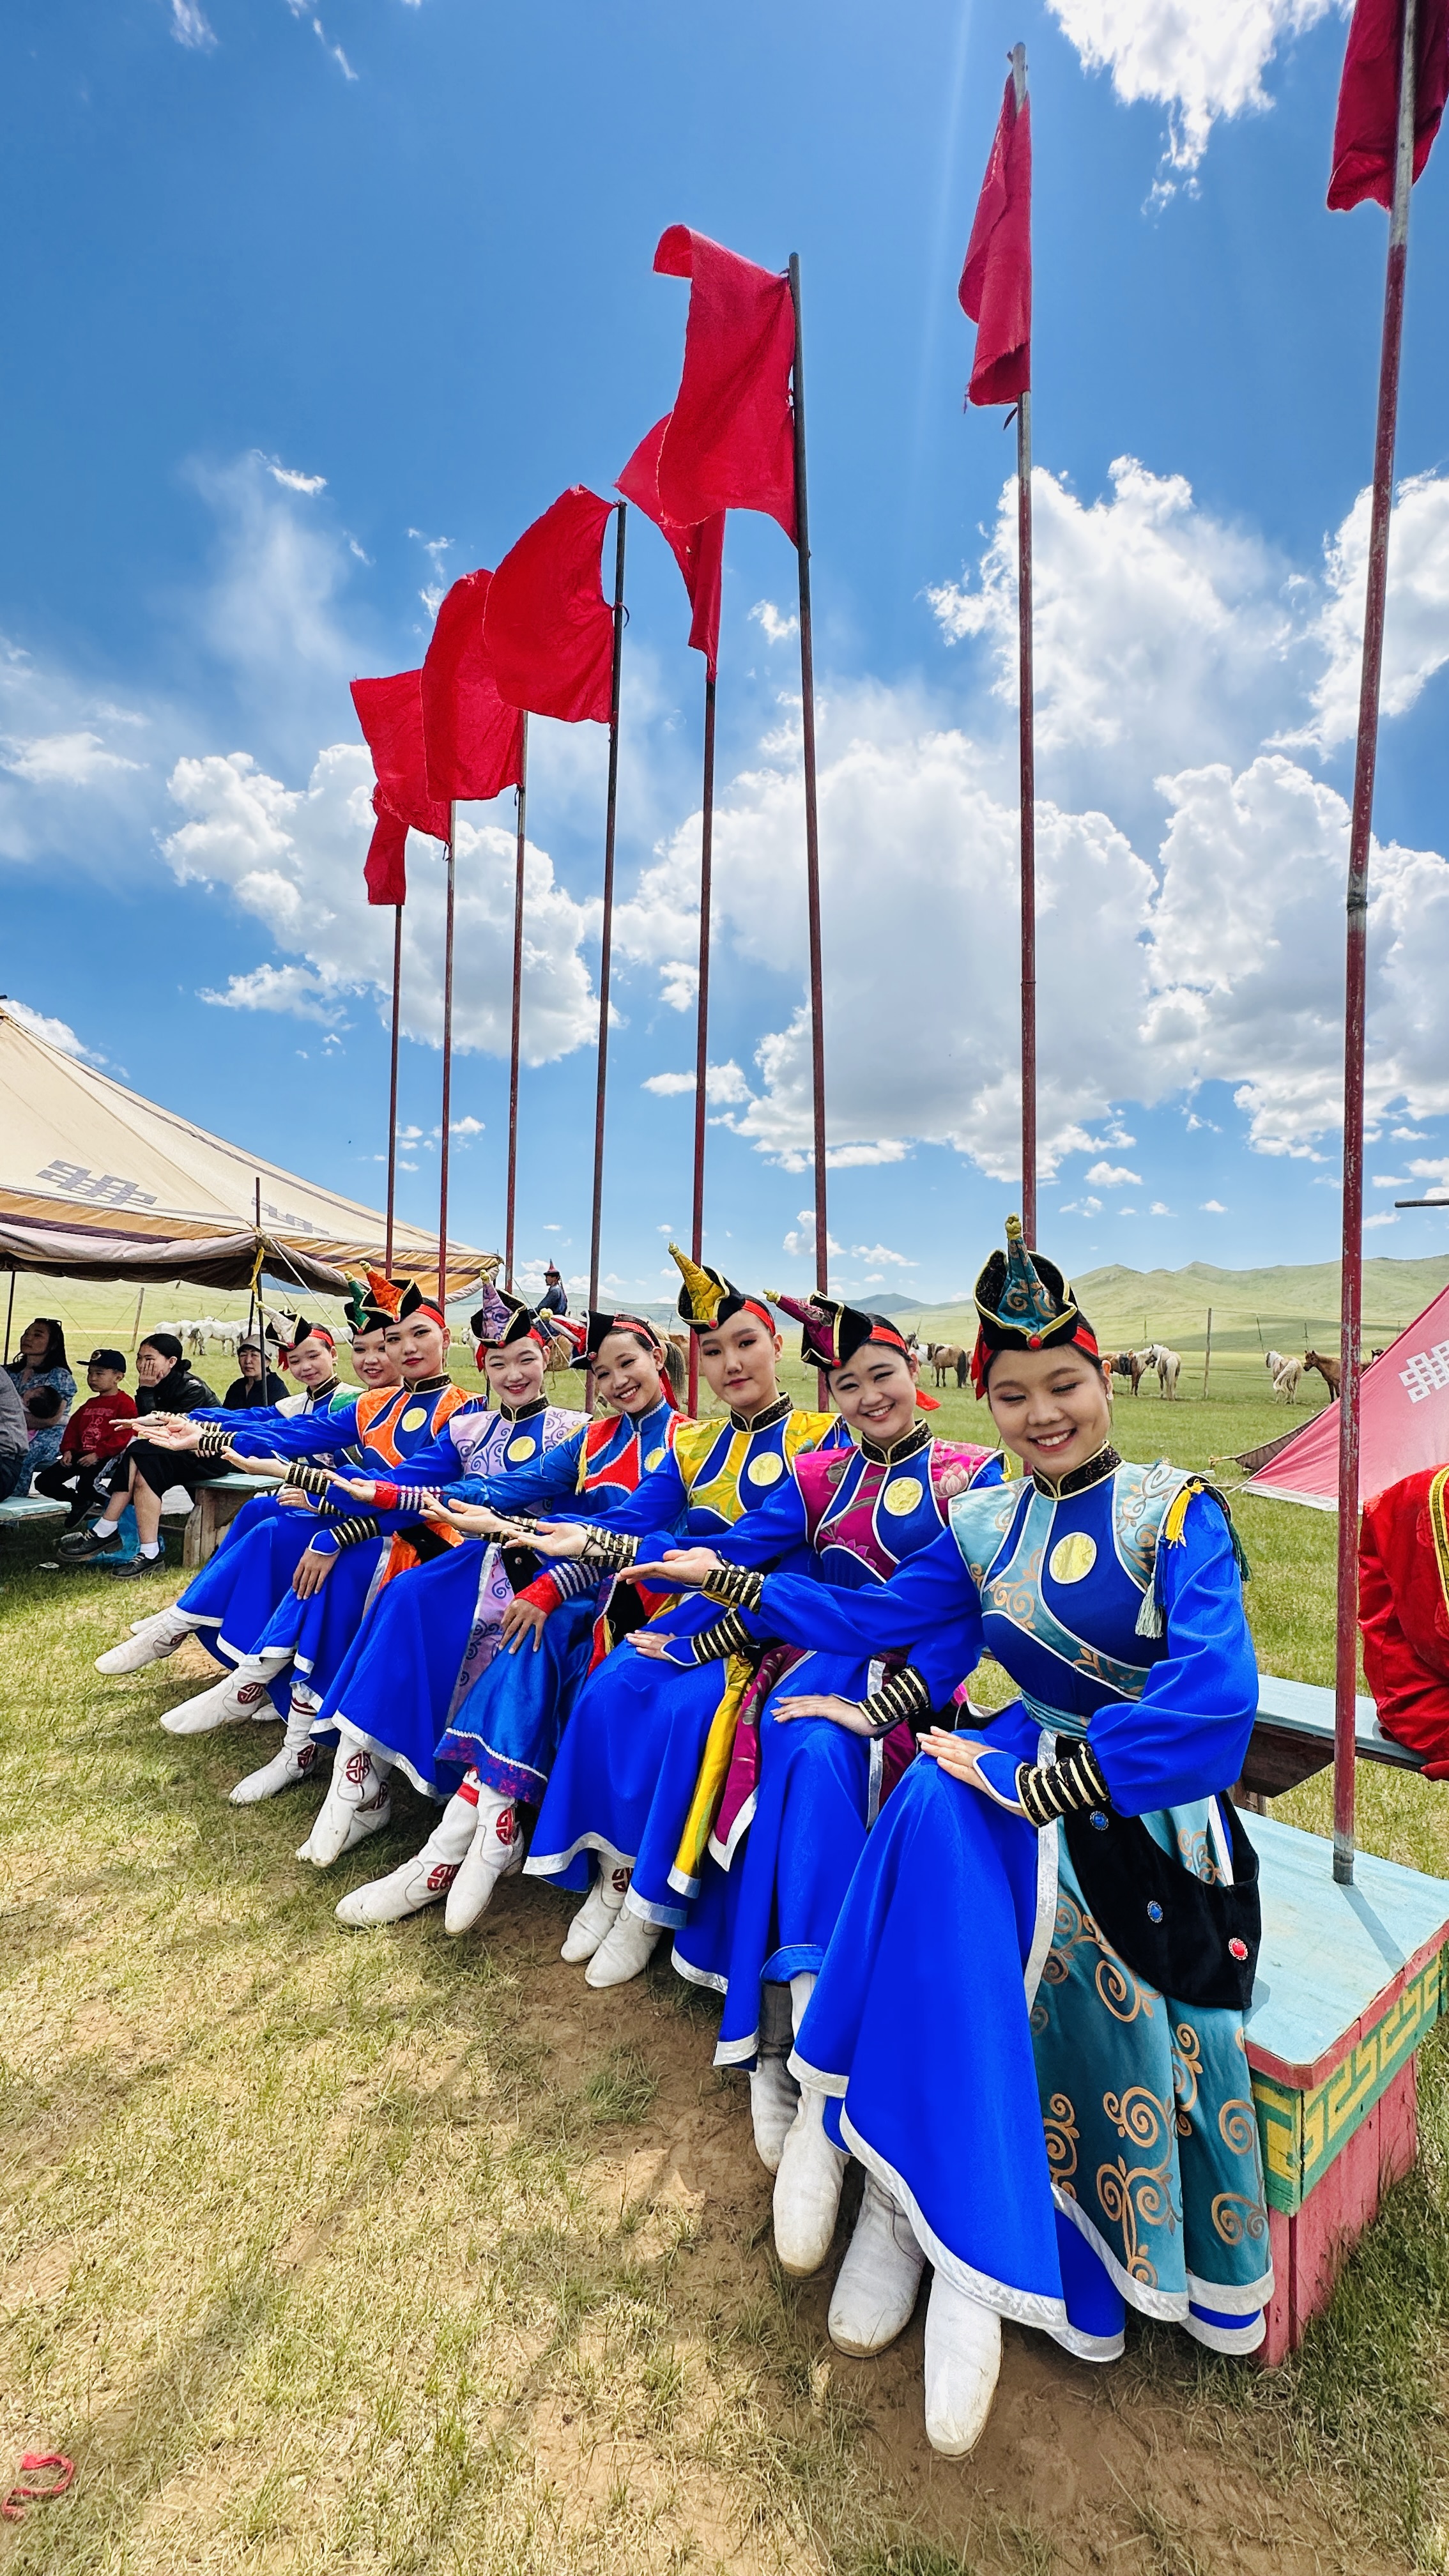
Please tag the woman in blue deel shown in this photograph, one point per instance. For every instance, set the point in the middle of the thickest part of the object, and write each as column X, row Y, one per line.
column 1029, row 2022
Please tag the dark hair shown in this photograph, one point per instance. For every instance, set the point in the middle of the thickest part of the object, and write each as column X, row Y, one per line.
column 108, row 1360
column 166, row 1343
column 46, row 1405
column 55, row 1347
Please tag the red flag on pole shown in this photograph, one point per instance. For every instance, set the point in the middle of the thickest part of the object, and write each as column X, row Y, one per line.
column 548, row 631
column 472, row 740
column 995, row 288
column 390, row 713
column 729, row 443
column 386, row 872
column 1368, row 98
column 698, row 551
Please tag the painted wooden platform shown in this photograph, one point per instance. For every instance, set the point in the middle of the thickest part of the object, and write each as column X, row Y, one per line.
column 216, row 1506
column 1350, row 1981
column 1293, row 1737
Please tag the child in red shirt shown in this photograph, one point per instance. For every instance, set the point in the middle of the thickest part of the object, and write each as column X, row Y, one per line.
column 96, row 1432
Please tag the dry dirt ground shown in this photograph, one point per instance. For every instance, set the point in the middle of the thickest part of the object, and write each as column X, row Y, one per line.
column 331, row 2251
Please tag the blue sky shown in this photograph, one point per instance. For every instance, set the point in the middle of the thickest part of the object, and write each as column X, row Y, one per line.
column 290, row 300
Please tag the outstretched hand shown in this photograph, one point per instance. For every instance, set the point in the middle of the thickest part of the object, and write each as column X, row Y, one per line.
column 558, row 1538
column 363, row 1489
column 682, row 1568
column 479, row 1520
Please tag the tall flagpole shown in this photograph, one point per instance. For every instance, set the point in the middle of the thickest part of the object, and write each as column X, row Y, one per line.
column 1028, row 770
column 447, row 1072
column 1356, row 974
column 521, row 793
column 392, row 1086
column 605, row 959
column 701, row 1040
column 812, row 823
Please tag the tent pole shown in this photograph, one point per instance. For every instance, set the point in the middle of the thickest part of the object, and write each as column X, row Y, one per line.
column 447, row 1072
column 521, row 793
column 701, row 1043
column 135, row 1328
column 605, row 959
column 812, row 819
column 1356, row 971
column 10, row 1316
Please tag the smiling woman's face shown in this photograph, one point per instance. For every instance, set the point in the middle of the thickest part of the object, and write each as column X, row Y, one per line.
column 739, row 1361
column 1053, row 1408
column 626, row 1375
column 875, row 1392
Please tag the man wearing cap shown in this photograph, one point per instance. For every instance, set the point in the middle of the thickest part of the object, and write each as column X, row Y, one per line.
column 97, row 1431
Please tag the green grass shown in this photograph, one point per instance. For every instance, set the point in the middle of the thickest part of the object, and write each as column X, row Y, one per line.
column 388, row 2252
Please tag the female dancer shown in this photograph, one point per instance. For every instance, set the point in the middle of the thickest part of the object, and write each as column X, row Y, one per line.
column 626, row 1782
column 1092, row 2144
column 415, row 1677
column 799, row 1799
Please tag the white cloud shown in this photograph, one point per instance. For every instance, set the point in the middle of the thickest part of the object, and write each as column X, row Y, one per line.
column 64, row 760
column 1160, row 1208
column 1213, row 1207
column 1200, row 59
column 668, row 1084
column 293, row 989
column 1082, row 1207
column 190, row 27
column 1111, row 1176
column 292, row 481
column 777, row 629
column 1416, row 616
column 465, row 1126
column 294, row 856
column 724, row 1085
column 56, row 1033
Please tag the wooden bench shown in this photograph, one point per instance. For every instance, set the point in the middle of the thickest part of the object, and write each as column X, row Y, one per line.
column 1293, row 1738
column 1350, row 1982
column 216, row 1506
column 22, row 1511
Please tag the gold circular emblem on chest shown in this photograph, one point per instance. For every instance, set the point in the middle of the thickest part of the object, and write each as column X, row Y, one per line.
column 521, row 1448
column 414, row 1418
column 656, row 1458
column 1072, row 1557
column 767, row 1470
column 903, row 1494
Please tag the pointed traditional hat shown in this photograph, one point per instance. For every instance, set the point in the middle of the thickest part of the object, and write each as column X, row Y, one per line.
column 1024, row 1303
column 708, row 1299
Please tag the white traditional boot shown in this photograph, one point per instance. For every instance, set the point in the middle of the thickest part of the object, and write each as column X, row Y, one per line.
column 625, row 1951
column 296, row 1762
column 244, row 1692
column 495, row 1852
column 418, row 1883
column 963, row 2362
column 150, row 1641
column 807, row 2188
column 598, row 1914
column 774, row 2101
column 358, row 1802
column 875, row 2289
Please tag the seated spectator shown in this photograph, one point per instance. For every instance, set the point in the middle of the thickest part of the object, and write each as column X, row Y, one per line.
column 255, row 1385
column 14, row 1439
column 40, row 1372
column 143, row 1475
column 1403, row 1613
column 95, row 1433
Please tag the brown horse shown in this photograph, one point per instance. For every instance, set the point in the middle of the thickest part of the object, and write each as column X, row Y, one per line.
column 1128, row 1364
column 1328, row 1369
column 945, row 1356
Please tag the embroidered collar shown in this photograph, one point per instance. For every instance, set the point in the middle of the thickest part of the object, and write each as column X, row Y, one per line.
column 320, row 1394
column 1078, row 1479
column 424, row 1385
column 777, row 1412
column 524, row 1412
column 910, row 1445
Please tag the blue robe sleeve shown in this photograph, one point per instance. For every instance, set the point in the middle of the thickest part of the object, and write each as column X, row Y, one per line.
column 1187, row 1736
column 302, row 1435
column 774, row 1529
column 540, row 1487
column 931, row 1609
column 436, row 1465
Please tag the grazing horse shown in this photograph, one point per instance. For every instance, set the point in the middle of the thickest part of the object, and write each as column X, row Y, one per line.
column 1328, row 1368
column 1285, row 1379
column 945, row 1356
column 1168, row 1365
column 1129, row 1364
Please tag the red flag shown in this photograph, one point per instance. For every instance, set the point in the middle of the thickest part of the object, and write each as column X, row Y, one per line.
column 995, row 288
column 730, row 439
column 472, row 742
column 1365, row 132
column 698, row 551
column 548, row 630
column 390, row 713
column 386, row 872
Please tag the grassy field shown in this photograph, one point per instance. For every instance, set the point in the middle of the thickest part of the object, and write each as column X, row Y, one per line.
column 388, row 2253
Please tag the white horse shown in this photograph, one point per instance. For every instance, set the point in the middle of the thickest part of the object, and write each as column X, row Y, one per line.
column 1168, row 1365
column 1286, row 1380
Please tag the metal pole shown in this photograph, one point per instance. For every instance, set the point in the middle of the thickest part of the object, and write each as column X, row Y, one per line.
column 1355, row 980
column 447, row 1071
column 812, row 822
column 1207, row 1357
column 1028, row 772
column 10, row 1317
column 135, row 1328
column 611, row 813
column 701, row 1043
column 392, row 1087
column 521, row 796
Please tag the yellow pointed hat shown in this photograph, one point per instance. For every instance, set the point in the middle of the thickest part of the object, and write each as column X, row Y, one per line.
column 707, row 1298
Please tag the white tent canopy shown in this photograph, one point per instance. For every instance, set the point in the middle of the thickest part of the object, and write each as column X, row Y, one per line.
column 97, row 1183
